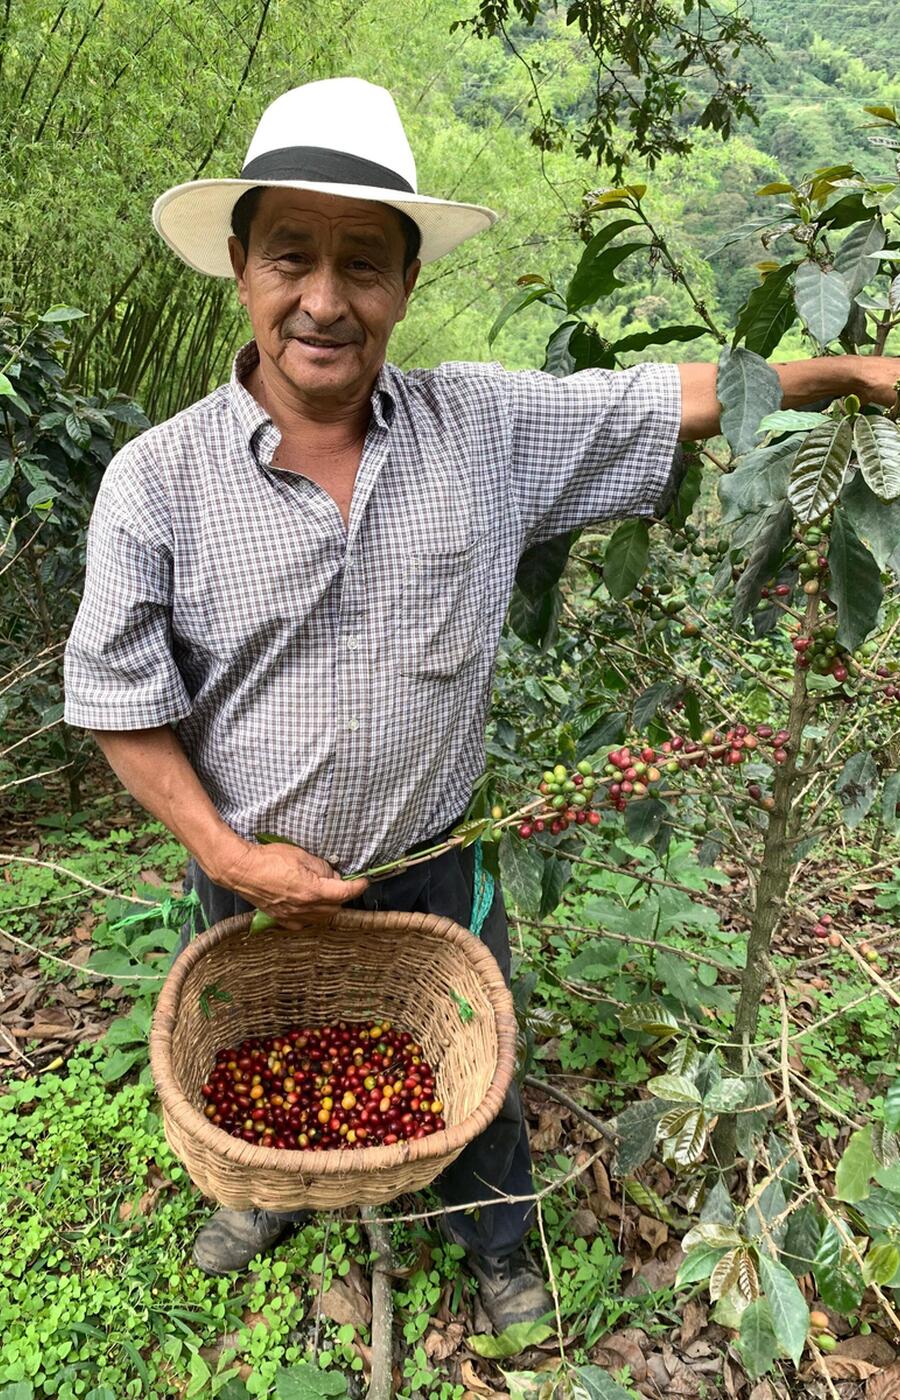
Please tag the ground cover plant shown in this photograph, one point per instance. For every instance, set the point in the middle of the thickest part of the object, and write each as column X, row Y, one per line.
column 706, row 975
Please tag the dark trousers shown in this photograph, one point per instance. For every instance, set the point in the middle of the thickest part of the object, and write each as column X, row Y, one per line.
column 499, row 1160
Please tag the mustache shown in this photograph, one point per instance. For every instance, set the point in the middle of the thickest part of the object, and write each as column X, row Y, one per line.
column 298, row 329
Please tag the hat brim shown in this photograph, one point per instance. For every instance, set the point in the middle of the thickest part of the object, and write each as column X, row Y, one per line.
column 195, row 218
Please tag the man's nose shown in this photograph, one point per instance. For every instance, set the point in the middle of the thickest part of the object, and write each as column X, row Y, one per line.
column 323, row 296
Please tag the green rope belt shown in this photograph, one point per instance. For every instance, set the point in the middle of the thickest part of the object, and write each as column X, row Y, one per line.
column 482, row 892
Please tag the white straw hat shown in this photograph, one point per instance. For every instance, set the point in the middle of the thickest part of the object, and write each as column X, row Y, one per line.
column 341, row 136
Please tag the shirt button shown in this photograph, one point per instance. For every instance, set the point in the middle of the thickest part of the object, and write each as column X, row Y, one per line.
column 353, row 725
column 352, row 642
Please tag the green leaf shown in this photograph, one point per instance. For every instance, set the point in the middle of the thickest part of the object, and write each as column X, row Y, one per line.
column 713, row 1235
column 724, row 1276
column 119, row 1062
column 553, row 881
column 261, row 922
column 664, row 336
column 837, row 1287
column 643, row 819
column 801, row 1240
column 760, row 479
column 892, row 1097
column 101, row 1392
column 818, row 471
column 792, row 420
column 6, row 385
column 876, row 442
column 468, row 832
column 881, row 1263
column 648, row 702
column 688, row 1142
column 594, row 276
column 748, row 389
column 521, row 870
column 890, row 817
column 535, row 622
column 511, row 1340
column 19, row 1390
column 717, row 1207
column 699, row 1264
column 855, row 583
column 57, row 314
column 855, row 790
column 542, row 566
column 768, row 312
column 608, row 729
column 764, row 561
column 521, row 298
column 757, row 1343
column 557, row 356
column 875, row 522
column 594, row 1383
column 649, row 1017
column 852, row 1180
column 78, row 431
column 790, row 1315
column 307, row 1382
column 823, row 300
column 635, row 1128
column 589, row 350
column 674, row 1087
column 725, row 1096
column 626, row 557
column 852, row 259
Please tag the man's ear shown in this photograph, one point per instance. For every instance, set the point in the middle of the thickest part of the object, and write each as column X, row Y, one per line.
column 410, row 277
column 239, row 264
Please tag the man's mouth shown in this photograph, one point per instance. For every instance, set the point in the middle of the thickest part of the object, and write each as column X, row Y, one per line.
column 319, row 343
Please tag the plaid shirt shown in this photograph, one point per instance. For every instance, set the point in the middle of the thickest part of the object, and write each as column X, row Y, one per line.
column 333, row 685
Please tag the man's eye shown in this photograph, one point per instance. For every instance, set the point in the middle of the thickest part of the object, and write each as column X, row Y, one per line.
column 362, row 264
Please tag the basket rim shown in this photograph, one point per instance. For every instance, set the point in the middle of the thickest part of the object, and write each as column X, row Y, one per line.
column 334, row 1162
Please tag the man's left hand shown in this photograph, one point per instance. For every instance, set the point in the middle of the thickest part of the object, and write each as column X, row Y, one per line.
column 879, row 379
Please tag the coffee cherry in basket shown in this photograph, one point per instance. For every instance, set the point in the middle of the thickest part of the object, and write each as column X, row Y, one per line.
column 350, row 1085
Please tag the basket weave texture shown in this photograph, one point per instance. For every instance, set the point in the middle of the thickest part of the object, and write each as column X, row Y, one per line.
column 353, row 966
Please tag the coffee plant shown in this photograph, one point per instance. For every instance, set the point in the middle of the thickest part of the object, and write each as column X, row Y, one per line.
column 740, row 687
column 54, row 445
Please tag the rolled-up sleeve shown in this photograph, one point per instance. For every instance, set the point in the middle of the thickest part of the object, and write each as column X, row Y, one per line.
column 596, row 445
column 119, row 669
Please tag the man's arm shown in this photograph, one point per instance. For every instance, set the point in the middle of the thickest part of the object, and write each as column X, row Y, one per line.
column 283, row 880
column 873, row 378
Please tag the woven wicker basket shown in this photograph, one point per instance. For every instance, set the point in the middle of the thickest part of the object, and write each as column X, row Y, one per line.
column 354, row 966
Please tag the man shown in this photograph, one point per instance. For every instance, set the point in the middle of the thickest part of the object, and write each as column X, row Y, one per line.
column 296, row 587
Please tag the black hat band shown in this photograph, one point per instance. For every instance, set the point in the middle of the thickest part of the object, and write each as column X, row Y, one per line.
column 319, row 165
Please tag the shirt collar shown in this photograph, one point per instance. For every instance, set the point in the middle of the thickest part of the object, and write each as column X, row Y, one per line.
column 253, row 418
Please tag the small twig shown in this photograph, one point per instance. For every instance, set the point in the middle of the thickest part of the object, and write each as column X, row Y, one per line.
column 25, row 737
column 551, row 1279
column 381, row 1380
column 688, row 954
column 571, row 1104
column 870, row 971
column 73, row 875
column 85, row 971
column 20, row 1054
column 321, row 1293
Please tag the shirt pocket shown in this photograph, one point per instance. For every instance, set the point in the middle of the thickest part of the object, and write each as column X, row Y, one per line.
column 440, row 629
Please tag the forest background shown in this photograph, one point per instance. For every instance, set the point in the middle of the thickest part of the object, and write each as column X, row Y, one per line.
column 672, row 1272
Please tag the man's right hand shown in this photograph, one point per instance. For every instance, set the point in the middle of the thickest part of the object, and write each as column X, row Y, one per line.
column 290, row 884
column 282, row 880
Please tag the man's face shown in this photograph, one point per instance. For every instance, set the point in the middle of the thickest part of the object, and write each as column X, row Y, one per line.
column 324, row 286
